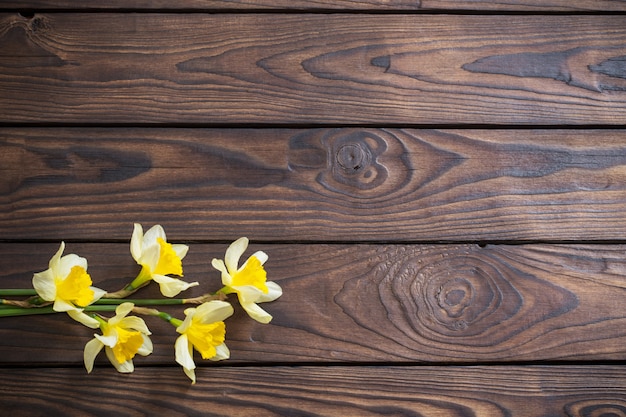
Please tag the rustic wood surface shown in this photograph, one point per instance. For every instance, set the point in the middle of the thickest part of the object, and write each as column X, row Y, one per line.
column 311, row 68
column 311, row 391
column 281, row 5
column 349, row 184
column 440, row 187
column 371, row 303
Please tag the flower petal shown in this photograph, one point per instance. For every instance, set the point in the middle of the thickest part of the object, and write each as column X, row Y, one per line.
column 184, row 356
column 83, row 318
column 218, row 264
column 124, row 368
column 213, row 311
column 92, row 348
column 136, row 242
column 187, row 322
column 109, row 340
column 248, row 294
column 44, row 284
column 150, row 256
column 257, row 313
column 135, row 323
column 181, row 250
column 54, row 261
column 184, row 353
column 261, row 256
column 97, row 294
column 61, row 305
column 274, row 291
column 234, row 252
column 147, row 347
column 68, row 262
column 191, row 374
column 170, row 287
column 123, row 309
column 155, row 232
column 222, row 353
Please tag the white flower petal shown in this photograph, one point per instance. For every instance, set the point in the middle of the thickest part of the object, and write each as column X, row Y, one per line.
column 125, row 368
column 150, row 256
column 220, row 266
column 44, row 284
column 122, row 310
column 181, row 250
column 184, row 353
column 213, row 311
column 257, row 313
column 261, row 256
column 97, row 294
column 109, row 340
column 146, row 348
column 54, row 261
column 274, row 291
column 151, row 236
column 171, row 287
column 184, row 357
column 188, row 319
column 222, row 353
column 83, row 318
column 62, row 305
column 92, row 348
column 234, row 252
column 191, row 374
column 136, row 242
column 67, row 262
column 134, row 323
column 248, row 293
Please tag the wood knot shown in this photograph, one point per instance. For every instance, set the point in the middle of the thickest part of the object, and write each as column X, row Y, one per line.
column 456, row 295
column 353, row 162
column 352, row 158
column 596, row 408
column 38, row 24
column 463, row 295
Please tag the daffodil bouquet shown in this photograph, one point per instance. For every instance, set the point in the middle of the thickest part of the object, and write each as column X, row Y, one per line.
column 66, row 286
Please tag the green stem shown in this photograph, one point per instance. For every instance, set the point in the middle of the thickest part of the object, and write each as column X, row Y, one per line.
column 141, row 302
column 160, row 314
column 168, row 318
column 17, row 292
column 224, row 290
column 13, row 312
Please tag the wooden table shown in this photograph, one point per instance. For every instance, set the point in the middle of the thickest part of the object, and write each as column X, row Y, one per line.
column 440, row 187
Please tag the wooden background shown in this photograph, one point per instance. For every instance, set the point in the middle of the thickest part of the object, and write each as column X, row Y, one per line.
column 440, row 187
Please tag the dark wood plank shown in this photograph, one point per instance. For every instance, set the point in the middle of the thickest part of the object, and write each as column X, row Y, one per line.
column 311, row 68
column 369, row 303
column 370, row 5
column 321, row 184
column 572, row 391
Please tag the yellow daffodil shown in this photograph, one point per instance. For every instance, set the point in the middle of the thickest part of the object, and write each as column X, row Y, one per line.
column 158, row 258
column 204, row 330
column 67, row 284
column 249, row 281
column 122, row 337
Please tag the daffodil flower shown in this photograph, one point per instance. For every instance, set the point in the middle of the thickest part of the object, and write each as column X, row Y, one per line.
column 67, row 284
column 158, row 258
column 249, row 281
column 204, row 330
column 122, row 337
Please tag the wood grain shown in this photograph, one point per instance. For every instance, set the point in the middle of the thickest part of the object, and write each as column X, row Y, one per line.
column 310, row 68
column 369, row 303
column 281, row 5
column 310, row 391
column 351, row 184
